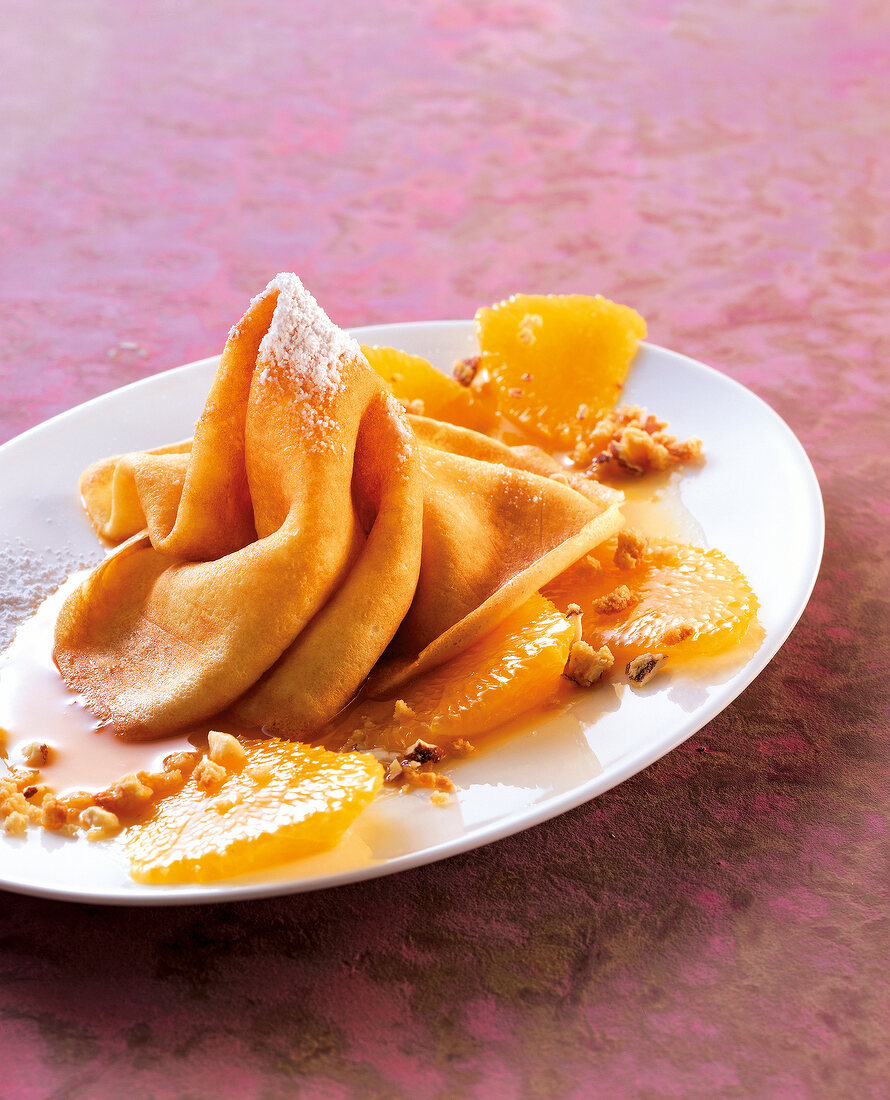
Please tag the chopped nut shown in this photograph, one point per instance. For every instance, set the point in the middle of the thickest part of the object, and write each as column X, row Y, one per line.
column 78, row 800
column 462, row 747
column 13, row 803
column 16, row 824
column 99, row 823
column 641, row 669
column 402, row 713
column 53, row 814
column 422, row 752
column 36, row 754
column 618, row 600
column 631, row 549
column 593, row 563
column 628, row 441
column 526, row 377
column 465, row 370
column 184, row 762
column 586, row 665
column 582, row 412
column 226, row 750
column 30, row 791
column 209, row 775
column 429, row 780
column 440, row 798
column 574, row 614
column 125, row 798
column 394, row 770
column 515, row 392
column 677, row 633
column 161, row 783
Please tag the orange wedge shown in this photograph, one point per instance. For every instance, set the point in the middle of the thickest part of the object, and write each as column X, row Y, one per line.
column 290, row 800
column 558, row 360
column 414, row 379
column 514, row 667
column 685, row 601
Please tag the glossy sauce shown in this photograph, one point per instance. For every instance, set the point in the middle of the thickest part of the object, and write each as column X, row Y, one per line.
column 35, row 705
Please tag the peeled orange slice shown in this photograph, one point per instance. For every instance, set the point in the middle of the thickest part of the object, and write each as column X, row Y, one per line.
column 685, row 601
column 516, row 666
column 412, row 378
column 558, row 360
column 290, row 800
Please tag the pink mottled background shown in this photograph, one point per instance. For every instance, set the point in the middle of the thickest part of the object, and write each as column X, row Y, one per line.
column 719, row 925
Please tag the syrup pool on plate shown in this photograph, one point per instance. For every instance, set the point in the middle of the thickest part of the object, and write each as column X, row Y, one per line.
column 35, row 705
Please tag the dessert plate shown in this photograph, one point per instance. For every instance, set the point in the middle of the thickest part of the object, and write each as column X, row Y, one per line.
column 760, row 505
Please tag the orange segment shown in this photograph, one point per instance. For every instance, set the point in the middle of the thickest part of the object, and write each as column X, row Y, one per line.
column 686, row 602
column 516, row 666
column 412, row 378
column 289, row 801
column 558, row 360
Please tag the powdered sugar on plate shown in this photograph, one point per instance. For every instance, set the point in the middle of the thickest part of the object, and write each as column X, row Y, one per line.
column 28, row 575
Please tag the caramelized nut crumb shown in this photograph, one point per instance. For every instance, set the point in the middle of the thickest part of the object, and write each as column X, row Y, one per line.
column 226, row 750
column 574, row 614
column 587, row 665
column 99, row 823
column 641, row 669
column 631, row 550
column 16, row 823
column 402, row 713
column 618, row 600
column 184, row 762
column 125, row 798
column 465, row 370
column 422, row 752
column 36, row 754
column 209, row 775
column 440, row 798
column 53, row 814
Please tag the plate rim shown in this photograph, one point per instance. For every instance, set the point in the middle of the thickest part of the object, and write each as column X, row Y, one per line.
column 635, row 761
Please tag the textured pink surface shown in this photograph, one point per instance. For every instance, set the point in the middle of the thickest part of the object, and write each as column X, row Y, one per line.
column 717, row 926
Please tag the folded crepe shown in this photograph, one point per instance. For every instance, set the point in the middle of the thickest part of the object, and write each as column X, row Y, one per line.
column 307, row 534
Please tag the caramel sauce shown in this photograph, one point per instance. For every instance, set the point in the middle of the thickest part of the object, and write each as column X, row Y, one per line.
column 35, row 704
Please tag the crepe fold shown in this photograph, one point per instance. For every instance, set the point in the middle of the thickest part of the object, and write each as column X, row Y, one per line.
column 310, row 535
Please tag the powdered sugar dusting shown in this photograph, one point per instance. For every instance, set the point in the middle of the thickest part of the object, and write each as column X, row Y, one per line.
column 303, row 347
column 28, row 575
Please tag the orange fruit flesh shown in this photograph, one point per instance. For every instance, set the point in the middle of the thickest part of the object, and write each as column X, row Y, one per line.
column 558, row 360
column 688, row 602
column 516, row 666
column 290, row 800
column 412, row 378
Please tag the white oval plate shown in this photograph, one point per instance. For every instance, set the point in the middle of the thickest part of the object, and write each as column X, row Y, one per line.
column 756, row 498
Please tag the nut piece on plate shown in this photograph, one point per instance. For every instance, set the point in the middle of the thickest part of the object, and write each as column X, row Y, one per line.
column 586, row 665
column 641, row 669
column 226, row 750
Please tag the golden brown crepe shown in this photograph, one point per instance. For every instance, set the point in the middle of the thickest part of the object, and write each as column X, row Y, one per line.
column 307, row 527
